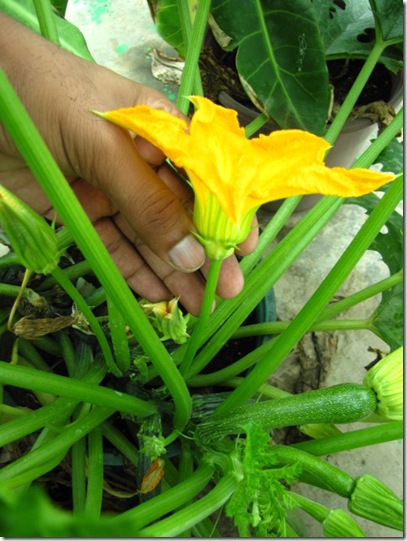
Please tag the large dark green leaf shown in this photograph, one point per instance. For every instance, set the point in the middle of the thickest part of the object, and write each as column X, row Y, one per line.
column 70, row 36
column 166, row 17
column 347, row 30
column 280, row 58
column 389, row 13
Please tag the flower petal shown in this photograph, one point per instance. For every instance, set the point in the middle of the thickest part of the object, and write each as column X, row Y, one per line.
column 160, row 128
column 319, row 179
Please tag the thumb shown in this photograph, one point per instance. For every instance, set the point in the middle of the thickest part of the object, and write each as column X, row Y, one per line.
column 153, row 211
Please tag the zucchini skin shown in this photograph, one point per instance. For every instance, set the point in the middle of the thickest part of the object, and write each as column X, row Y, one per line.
column 343, row 403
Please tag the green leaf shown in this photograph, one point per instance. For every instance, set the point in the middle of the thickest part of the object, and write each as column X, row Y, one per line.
column 389, row 242
column 387, row 321
column 392, row 157
column 345, row 28
column 259, row 504
column 70, row 36
column 389, row 15
column 280, row 58
column 166, row 17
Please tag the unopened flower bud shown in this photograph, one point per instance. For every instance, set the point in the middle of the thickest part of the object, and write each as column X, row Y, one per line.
column 339, row 524
column 33, row 240
column 375, row 501
column 169, row 320
column 386, row 380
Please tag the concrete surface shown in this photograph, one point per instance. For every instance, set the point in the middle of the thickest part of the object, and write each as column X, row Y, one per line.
column 121, row 35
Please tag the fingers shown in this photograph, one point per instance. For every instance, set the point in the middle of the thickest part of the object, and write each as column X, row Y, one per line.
column 152, row 209
column 146, row 273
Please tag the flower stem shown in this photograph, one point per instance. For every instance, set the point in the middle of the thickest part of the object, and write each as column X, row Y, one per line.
column 227, row 319
column 206, row 309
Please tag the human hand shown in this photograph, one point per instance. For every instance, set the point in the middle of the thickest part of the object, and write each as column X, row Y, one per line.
column 139, row 207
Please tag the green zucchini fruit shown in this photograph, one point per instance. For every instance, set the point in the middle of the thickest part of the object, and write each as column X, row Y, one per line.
column 343, row 403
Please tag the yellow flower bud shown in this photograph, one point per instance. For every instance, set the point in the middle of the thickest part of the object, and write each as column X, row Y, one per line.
column 386, row 380
column 169, row 320
column 373, row 500
column 339, row 524
column 33, row 240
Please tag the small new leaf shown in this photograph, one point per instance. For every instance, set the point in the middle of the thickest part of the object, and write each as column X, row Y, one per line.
column 259, row 504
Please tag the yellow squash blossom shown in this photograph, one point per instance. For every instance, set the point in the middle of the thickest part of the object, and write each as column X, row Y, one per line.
column 232, row 176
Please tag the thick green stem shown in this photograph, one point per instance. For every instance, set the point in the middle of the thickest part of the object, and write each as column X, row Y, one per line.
column 276, row 327
column 195, row 512
column 214, row 378
column 319, row 299
column 36, row 380
column 185, row 16
column 192, row 57
column 360, row 296
column 353, row 440
column 167, row 501
column 56, row 447
column 94, row 491
column 30, row 422
column 354, row 93
column 46, row 20
column 78, row 457
column 118, row 334
column 332, row 477
column 379, row 144
column 121, row 443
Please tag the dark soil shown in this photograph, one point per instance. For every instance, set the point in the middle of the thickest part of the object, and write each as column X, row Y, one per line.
column 342, row 75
